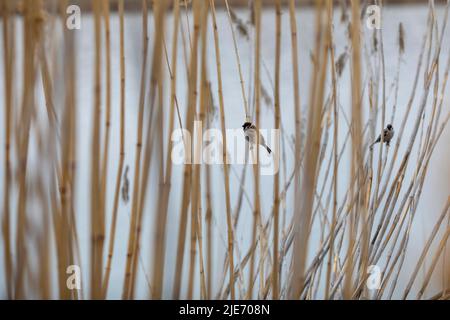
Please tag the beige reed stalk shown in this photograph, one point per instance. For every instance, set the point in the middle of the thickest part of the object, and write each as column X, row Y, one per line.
column 247, row 115
column 97, row 214
column 32, row 28
column 192, row 98
column 224, row 152
column 157, row 81
column 68, row 148
column 276, row 202
column 335, row 153
column 256, row 194
column 196, row 208
column 8, row 62
column 134, row 204
column 199, row 12
column 357, row 157
column 312, row 149
column 112, row 232
column 107, row 128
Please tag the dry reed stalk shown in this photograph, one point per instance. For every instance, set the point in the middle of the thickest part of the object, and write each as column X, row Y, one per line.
column 257, row 88
column 185, row 4
column 236, row 51
column 183, row 38
column 112, row 232
column 426, row 249
column 62, row 208
column 97, row 216
column 107, row 126
column 276, row 203
column 58, row 223
column 390, row 268
column 183, row 220
column 287, row 239
column 208, row 212
column 163, row 205
column 32, row 28
column 204, row 94
column 131, row 238
column 436, row 257
column 8, row 62
column 380, row 167
column 196, row 230
column 297, row 106
column 209, row 233
column 335, row 152
column 203, row 293
column 340, row 226
column 402, row 253
column 192, row 98
column 154, row 132
column 357, row 157
column 224, row 151
column 187, row 175
column 175, row 96
column 68, row 149
column 193, row 253
column 312, row 149
column 44, row 247
column 199, row 23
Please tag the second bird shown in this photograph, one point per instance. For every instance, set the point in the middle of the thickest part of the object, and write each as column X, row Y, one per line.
column 388, row 134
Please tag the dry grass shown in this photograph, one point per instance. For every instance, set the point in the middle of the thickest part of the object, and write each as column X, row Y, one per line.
column 315, row 240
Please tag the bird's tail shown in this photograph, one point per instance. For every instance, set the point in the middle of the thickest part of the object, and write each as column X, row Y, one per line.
column 374, row 143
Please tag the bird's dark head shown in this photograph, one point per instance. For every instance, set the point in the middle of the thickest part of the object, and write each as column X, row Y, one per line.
column 246, row 125
column 389, row 126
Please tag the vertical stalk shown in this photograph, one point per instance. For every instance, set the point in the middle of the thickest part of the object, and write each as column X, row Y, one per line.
column 224, row 152
column 112, row 233
column 357, row 161
column 97, row 216
column 256, row 194
column 8, row 62
column 335, row 152
column 137, row 172
column 196, row 198
column 192, row 98
column 276, row 202
column 104, row 165
column 312, row 150
column 156, row 88
column 32, row 29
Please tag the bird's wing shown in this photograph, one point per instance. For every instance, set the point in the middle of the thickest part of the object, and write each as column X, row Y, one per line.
column 251, row 134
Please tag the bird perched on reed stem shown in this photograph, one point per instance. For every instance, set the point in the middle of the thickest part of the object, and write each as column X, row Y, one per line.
column 251, row 132
column 388, row 134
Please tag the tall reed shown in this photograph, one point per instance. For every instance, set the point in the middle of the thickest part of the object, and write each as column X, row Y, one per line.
column 337, row 207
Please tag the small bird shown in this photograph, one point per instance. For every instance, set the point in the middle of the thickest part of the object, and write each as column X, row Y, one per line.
column 250, row 132
column 388, row 134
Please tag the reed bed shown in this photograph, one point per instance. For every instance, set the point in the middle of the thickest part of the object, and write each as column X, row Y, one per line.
column 314, row 230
